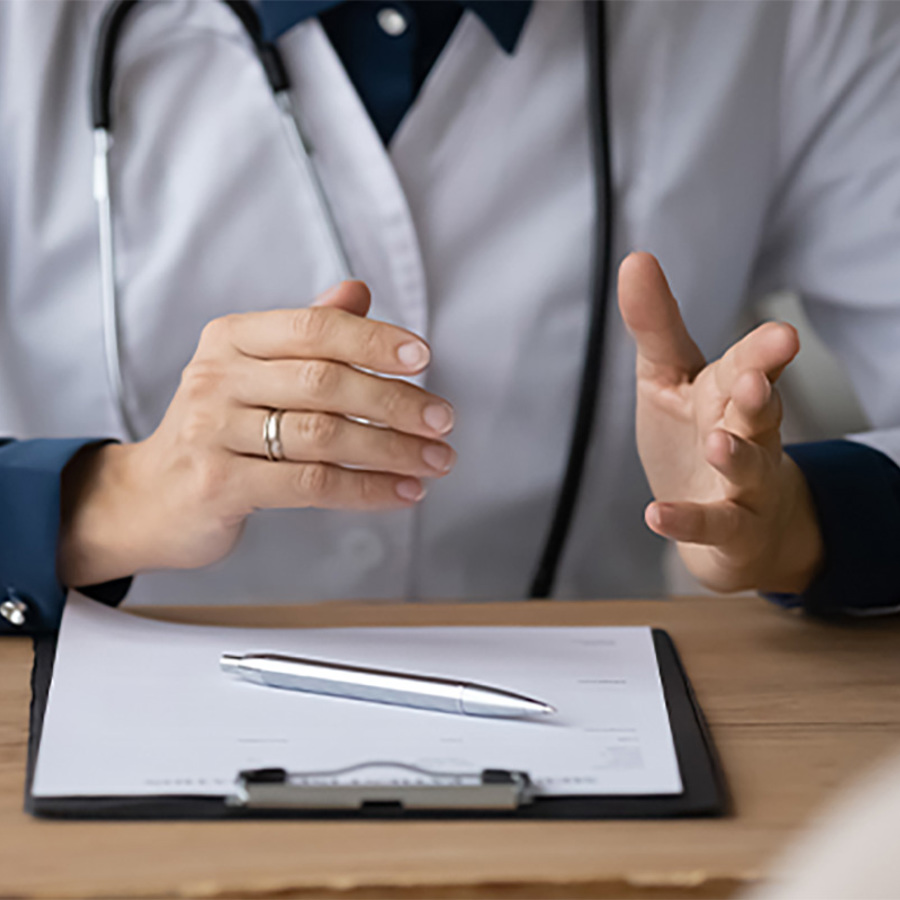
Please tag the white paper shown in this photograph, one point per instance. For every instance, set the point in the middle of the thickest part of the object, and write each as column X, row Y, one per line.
column 139, row 707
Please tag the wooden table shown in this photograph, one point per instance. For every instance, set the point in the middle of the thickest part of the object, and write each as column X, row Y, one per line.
column 796, row 708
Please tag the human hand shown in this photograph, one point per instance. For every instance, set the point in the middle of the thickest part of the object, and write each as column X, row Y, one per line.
column 709, row 439
column 179, row 499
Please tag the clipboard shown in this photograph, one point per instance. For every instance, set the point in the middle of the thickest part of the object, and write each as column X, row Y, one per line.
column 278, row 793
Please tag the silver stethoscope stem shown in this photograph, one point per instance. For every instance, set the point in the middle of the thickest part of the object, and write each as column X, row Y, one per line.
column 303, row 152
column 111, row 337
column 111, row 331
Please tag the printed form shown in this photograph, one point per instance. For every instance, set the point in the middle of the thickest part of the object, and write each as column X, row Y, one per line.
column 139, row 707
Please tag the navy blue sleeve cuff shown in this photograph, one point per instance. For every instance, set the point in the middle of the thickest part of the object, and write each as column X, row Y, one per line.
column 856, row 492
column 31, row 597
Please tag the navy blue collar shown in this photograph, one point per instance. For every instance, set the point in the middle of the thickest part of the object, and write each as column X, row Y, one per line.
column 505, row 19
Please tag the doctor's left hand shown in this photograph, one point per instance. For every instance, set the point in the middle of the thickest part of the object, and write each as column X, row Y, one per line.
column 351, row 438
column 709, row 439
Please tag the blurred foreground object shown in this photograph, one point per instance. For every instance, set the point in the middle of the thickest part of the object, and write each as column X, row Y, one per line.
column 851, row 852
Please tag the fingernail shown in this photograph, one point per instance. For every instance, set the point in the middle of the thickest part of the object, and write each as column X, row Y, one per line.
column 413, row 355
column 324, row 298
column 438, row 417
column 438, row 456
column 732, row 445
column 657, row 514
column 410, row 489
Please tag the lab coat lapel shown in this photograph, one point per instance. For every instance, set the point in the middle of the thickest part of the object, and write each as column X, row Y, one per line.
column 369, row 203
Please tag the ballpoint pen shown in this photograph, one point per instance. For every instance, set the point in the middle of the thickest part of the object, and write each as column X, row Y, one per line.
column 381, row 686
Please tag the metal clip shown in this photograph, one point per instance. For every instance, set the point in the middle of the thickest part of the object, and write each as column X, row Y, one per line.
column 381, row 784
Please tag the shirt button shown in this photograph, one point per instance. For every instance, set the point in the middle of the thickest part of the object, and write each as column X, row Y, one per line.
column 14, row 609
column 391, row 21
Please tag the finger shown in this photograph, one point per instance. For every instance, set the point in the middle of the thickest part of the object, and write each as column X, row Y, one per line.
column 287, row 485
column 768, row 348
column 719, row 524
column 320, row 437
column 742, row 463
column 318, row 332
column 350, row 296
column 321, row 386
column 755, row 408
column 666, row 351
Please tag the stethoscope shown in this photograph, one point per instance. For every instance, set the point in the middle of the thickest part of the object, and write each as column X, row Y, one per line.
column 276, row 74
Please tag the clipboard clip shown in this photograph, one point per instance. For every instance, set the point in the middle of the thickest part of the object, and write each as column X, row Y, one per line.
column 381, row 785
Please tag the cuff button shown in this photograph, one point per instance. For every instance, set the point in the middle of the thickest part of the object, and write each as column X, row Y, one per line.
column 14, row 610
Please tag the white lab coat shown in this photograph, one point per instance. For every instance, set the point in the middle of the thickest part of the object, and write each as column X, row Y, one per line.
column 755, row 146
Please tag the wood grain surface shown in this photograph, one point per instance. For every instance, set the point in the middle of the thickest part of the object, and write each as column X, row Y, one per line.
column 797, row 707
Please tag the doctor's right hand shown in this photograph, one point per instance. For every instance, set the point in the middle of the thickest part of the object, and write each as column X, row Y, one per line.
column 179, row 499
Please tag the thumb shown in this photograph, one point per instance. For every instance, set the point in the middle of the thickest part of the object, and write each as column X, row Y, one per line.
column 350, row 296
column 665, row 349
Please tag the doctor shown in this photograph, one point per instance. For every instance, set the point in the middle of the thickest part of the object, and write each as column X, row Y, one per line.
column 753, row 146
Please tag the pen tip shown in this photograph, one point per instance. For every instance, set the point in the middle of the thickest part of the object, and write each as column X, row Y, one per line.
column 538, row 708
column 229, row 662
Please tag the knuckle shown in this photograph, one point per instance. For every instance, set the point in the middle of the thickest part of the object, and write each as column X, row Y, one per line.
column 202, row 379
column 400, row 449
column 217, row 332
column 370, row 345
column 394, row 401
column 310, row 326
column 313, row 481
column 318, row 378
column 317, row 431
column 369, row 490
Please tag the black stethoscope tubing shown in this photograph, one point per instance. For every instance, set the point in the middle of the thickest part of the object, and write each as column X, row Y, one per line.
column 108, row 40
column 588, row 392
column 598, row 93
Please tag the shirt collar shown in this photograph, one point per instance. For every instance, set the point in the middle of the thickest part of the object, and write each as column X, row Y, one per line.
column 505, row 20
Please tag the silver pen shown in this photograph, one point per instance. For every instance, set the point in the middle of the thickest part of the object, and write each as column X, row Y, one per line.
column 380, row 686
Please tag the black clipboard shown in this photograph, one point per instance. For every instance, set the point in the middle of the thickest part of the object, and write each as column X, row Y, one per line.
column 705, row 792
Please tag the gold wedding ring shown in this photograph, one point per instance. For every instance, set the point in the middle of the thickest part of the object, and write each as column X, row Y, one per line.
column 272, row 435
